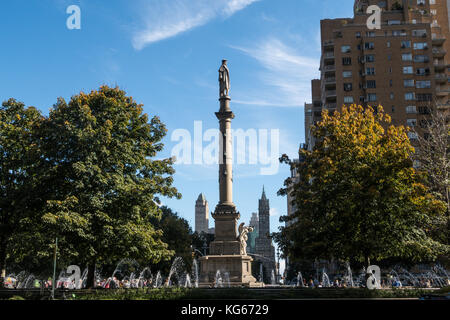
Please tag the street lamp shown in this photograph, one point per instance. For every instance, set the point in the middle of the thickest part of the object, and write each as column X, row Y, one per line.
column 278, row 265
column 205, row 246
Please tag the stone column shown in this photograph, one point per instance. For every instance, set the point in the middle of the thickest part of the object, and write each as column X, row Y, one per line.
column 225, row 115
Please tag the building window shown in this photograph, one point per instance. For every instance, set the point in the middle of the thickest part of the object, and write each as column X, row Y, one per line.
column 408, row 83
column 421, row 58
column 423, row 71
column 409, row 96
column 369, row 58
column 423, row 84
column 424, row 97
column 358, row 34
column 370, row 34
column 407, row 57
column 347, row 74
column 420, row 45
column 371, row 97
column 419, row 33
column 346, row 49
column 369, row 45
column 406, row 44
column 370, row 71
column 424, row 110
column 411, row 109
column 398, row 33
column 348, row 87
column 388, row 44
column 348, row 99
column 347, row 61
column 371, row 84
column 411, row 123
column 391, row 96
column 408, row 70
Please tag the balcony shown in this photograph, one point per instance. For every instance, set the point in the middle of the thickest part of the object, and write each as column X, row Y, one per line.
column 438, row 41
column 440, row 66
column 329, row 68
column 330, row 80
column 328, row 55
column 331, row 106
column 442, row 92
column 439, row 53
column 328, row 43
column 441, row 78
column 330, row 93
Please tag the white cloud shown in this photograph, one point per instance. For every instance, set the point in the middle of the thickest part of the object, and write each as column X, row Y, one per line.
column 168, row 18
column 274, row 212
column 285, row 73
column 236, row 5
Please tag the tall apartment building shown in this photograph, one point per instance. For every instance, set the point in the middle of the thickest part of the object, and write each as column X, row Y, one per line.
column 403, row 66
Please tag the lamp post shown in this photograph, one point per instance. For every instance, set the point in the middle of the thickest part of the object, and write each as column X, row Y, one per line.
column 278, row 265
column 205, row 246
column 54, row 269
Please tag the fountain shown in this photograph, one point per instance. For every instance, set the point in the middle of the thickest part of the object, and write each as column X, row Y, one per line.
column 300, row 280
column 272, row 278
column 158, row 280
column 176, row 270
column 349, row 276
column 325, row 279
column 218, row 281
column 195, row 273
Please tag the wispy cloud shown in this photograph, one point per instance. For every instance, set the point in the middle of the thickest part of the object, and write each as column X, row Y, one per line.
column 285, row 73
column 168, row 18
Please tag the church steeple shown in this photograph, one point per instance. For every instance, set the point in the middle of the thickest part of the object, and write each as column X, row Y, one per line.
column 263, row 197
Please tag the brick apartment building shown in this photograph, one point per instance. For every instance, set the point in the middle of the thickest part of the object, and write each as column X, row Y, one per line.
column 403, row 66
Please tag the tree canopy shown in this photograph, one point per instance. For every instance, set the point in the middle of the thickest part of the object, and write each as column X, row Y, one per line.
column 357, row 194
column 103, row 179
column 19, row 158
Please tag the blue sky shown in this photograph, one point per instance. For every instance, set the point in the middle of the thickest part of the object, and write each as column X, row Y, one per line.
column 166, row 53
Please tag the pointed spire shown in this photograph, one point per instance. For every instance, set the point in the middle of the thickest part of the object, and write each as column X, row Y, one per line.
column 264, row 194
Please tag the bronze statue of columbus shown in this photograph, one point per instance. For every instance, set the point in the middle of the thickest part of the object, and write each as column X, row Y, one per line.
column 224, row 79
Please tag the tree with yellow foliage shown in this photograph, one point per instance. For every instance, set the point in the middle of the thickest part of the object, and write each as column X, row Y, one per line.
column 358, row 196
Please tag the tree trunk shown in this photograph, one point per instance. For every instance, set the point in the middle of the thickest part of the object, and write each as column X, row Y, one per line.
column 2, row 261
column 90, row 281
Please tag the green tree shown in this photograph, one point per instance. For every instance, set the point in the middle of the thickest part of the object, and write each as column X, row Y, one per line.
column 357, row 194
column 177, row 234
column 19, row 156
column 104, row 180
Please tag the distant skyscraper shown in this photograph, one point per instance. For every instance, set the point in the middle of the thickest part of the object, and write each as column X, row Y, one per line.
column 251, row 242
column 264, row 248
column 201, row 214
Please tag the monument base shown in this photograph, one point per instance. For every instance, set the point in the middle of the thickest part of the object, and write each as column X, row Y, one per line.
column 238, row 267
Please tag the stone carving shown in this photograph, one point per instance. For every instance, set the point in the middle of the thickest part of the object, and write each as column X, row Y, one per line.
column 243, row 237
column 224, row 79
